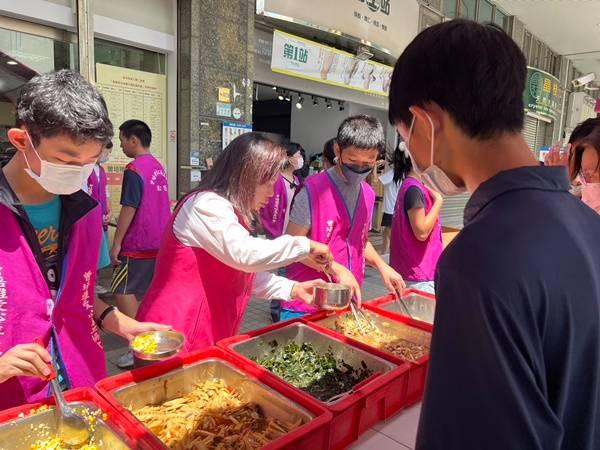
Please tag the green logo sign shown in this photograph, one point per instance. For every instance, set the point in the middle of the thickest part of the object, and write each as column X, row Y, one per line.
column 542, row 94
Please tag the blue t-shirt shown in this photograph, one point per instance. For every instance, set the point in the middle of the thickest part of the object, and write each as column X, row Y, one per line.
column 45, row 219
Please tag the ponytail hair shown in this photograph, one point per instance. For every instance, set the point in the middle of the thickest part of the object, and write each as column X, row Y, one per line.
column 402, row 163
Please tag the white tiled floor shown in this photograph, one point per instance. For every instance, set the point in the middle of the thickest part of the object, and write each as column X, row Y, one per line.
column 396, row 433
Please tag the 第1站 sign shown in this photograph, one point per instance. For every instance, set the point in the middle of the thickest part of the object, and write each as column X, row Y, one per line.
column 542, row 94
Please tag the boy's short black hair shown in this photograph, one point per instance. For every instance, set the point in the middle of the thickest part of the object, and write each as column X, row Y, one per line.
column 363, row 132
column 474, row 72
column 291, row 148
column 138, row 129
column 63, row 102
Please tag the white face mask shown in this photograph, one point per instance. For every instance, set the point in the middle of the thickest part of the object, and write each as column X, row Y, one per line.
column 433, row 176
column 299, row 163
column 590, row 195
column 59, row 179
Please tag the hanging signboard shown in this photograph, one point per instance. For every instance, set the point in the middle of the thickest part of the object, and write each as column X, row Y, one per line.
column 542, row 94
column 299, row 57
column 389, row 25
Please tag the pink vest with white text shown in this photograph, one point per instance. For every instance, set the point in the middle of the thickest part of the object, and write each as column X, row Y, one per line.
column 331, row 225
column 195, row 293
column 152, row 216
column 415, row 260
column 272, row 216
column 97, row 189
column 27, row 311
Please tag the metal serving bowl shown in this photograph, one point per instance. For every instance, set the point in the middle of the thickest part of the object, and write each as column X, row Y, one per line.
column 168, row 343
column 332, row 296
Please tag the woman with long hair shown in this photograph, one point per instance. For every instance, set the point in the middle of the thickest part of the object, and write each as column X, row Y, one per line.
column 581, row 157
column 209, row 264
column 416, row 238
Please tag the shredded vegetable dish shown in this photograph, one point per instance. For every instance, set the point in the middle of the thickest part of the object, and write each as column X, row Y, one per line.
column 212, row 417
column 402, row 348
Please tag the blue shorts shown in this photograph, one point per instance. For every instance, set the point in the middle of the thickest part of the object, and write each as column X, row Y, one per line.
column 286, row 314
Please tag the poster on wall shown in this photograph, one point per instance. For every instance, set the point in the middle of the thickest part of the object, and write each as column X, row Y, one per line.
column 231, row 130
column 389, row 25
column 299, row 57
column 132, row 94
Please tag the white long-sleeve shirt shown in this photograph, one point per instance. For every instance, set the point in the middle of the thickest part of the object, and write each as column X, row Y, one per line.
column 208, row 221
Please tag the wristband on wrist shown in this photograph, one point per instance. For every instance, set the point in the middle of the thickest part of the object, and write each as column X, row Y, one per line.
column 102, row 316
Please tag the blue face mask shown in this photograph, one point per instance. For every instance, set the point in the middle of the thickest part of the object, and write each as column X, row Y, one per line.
column 355, row 174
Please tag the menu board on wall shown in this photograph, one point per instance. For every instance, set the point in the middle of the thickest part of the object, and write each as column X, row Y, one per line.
column 132, row 94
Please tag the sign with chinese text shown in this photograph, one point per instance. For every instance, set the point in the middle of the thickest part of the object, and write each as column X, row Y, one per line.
column 542, row 94
column 224, row 95
column 132, row 94
column 223, row 109
column 386, row 24
column 299, row 57
column 231, row 130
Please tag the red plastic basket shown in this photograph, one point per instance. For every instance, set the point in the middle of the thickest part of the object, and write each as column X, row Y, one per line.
column 115, row 421
column 369, row 402
column 417, row 373
column 377, row 304
column 313, row 435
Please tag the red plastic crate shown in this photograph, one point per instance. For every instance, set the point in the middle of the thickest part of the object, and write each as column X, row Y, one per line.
column 313, row 435
column 376, row 304
column 367, row 405
column 131, row 437
column 417, row 373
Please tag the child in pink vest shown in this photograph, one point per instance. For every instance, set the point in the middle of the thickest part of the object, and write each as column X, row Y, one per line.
column 209, row 264
column 97, row 189
column 416, row 241
column 335, row 208
column 51, row 234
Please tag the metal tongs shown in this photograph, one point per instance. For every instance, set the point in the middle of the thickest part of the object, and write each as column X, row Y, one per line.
column 72, row 427
column 400, row 301
column 363, row 321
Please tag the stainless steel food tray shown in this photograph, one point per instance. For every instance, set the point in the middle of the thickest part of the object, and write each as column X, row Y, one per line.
column 386, row 325
column 21, row 433
column 179, row 382
column 421, row 308
column 258, row 347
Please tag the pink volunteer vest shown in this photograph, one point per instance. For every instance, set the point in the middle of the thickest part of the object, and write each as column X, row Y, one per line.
column 97, row 189
column 27, row 311
column 195, row 293
column 152, row 216
column 272, row 216
column 330, row 224
column 413, row 259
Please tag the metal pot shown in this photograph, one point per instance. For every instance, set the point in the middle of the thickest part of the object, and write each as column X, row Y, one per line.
column 168, row 344
column 333, row 296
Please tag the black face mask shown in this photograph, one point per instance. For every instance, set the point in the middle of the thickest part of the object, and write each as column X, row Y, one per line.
column 358, row 169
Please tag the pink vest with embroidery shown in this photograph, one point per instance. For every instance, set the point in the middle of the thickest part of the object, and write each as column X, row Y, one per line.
column 152, row 216
column 97, row 189
column 27, row 311
column 195, row 293
column 272, row 216
column 331, row 225
column 415, row 260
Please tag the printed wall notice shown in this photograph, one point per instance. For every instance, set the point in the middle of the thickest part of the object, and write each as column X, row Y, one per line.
column 231, row 130
column 132, row 94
